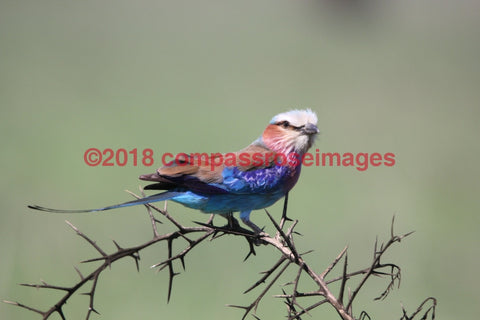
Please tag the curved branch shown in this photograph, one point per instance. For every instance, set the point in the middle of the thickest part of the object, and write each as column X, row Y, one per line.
column 282, row 241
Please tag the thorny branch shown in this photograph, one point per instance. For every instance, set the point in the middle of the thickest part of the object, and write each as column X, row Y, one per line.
column 283, row 241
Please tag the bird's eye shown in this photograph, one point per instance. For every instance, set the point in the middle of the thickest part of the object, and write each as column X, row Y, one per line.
column 284, row 124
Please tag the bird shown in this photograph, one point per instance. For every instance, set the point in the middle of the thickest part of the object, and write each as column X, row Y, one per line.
column 250, row 179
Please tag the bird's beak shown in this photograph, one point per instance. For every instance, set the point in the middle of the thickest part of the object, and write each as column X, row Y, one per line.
column 310, row 129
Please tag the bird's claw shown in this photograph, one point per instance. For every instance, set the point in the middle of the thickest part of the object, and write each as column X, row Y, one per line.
column 231, row 228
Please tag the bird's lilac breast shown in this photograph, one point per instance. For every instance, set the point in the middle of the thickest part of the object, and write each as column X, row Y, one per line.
column 292, row 179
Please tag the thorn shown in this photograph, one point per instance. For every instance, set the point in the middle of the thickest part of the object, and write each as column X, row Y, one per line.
column 235, row 306
column 307, row 252
column 217, row 234
column 182, row 260
column 117, row 245
column 136, row 258
column 251, row 251
column 79, row 273
column 287, row 284
column 93, row 260
column 391, row 227
column 208, row 225
column 407, row 234
column 162, row 267
column 93, row 310
column 172, row 274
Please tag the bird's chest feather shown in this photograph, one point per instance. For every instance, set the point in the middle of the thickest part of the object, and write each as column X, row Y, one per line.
column 292, row 177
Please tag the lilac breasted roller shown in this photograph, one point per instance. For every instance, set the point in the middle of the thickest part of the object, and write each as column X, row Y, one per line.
column 253, row 178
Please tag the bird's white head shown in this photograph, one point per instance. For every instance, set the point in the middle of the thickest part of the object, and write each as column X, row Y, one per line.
column 292, row 131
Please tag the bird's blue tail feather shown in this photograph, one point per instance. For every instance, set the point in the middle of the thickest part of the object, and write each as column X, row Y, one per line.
column 153, row 198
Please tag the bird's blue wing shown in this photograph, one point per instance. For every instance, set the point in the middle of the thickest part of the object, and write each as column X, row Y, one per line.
column 264, row 180
column 249, row 177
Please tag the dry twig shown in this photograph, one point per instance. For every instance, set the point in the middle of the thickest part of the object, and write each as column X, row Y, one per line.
column 283, row 241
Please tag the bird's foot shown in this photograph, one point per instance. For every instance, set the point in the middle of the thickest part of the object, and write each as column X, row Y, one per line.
column 233, row 227
column 257, row 231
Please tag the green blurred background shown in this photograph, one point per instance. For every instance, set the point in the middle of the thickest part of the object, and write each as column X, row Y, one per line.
column 207, row 76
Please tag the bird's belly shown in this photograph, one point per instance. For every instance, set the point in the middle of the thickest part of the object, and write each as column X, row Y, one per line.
column 224, row 203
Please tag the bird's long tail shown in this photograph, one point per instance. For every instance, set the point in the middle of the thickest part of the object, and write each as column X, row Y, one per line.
column 153, row 198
